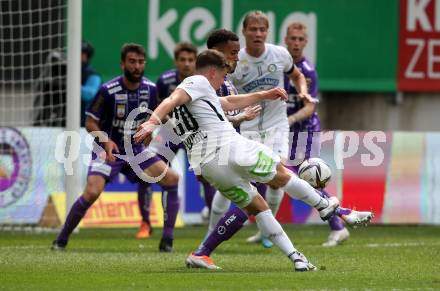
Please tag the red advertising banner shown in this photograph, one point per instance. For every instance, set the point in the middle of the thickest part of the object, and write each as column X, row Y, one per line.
column 419, row 45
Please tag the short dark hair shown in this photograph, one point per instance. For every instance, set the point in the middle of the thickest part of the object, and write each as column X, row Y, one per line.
column 131, row 48
column 220, row 37
column 255, row 15
column 211, row 58
column 184, row 47
column 87, row 48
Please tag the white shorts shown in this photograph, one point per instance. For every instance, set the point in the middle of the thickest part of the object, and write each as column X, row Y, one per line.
column 276, row 138
column 232, row 169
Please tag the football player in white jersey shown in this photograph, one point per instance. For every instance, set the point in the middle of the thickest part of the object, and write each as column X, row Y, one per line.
column 229, row 161
column 262, row 66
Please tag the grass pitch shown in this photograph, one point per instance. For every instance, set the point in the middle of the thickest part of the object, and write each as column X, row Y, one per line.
column 375, row 258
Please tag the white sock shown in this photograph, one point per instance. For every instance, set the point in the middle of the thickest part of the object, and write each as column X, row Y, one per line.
column 274, row 198
column 271, row 229
column 220, row 205
column 300, row 189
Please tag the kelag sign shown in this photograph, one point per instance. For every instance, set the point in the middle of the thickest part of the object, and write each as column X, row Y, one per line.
column 419, row 54
column 353, row 43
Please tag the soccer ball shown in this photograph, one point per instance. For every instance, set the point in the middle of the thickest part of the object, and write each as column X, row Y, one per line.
column 316, row 172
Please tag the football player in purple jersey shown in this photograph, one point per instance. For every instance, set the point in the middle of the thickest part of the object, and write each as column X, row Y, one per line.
column 305, row 125
column 185, row 61
column 108, row 121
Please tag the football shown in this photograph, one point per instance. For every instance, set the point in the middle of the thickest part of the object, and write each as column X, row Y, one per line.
column 316, row 172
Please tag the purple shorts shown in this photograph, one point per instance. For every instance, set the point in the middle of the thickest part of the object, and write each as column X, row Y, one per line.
column 109, row 170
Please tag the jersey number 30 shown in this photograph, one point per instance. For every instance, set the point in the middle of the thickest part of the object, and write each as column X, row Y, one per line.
column 185, row 121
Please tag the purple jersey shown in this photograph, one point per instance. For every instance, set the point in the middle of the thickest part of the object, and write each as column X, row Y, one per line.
column 294, row 104
column 113, row 104
column 227, row 89
column 305, row 139
column 166, row 84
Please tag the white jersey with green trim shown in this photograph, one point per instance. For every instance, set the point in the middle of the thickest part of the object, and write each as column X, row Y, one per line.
column 201, row 123
column 263, row 73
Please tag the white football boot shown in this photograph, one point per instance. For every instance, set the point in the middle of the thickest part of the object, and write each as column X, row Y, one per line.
column 256, row 238
column 326, row 212
column 336, row 237
column 204, row 262
column 301, row 263
column 356, row 218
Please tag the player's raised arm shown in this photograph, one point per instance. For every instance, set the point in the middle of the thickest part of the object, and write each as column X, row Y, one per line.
column 177, row 98
column 244, row 100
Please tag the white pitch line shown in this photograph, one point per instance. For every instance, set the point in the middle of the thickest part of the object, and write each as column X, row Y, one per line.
column 398, row 245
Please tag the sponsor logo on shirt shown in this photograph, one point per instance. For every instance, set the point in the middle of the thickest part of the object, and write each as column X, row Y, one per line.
column 120, row 110
column 121, row 97
column 194, row 138
column 261, row 82
column 114, row 90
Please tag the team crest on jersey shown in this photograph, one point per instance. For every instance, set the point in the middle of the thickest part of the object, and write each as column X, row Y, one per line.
column 272, row 68
column 244, row 66
column 120, row 110
column 143, row 106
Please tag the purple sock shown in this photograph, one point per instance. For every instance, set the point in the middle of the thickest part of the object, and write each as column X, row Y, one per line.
column 261, row 188
column 170, row 203
column 209, row 194
column 342, row 211
column 76, row 213
column 144, row 200
column 227, row 226
column 334, row 221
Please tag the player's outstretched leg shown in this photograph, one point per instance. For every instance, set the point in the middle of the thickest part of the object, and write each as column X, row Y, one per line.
column 144, row 200
column 338, row 233
column 94, row 187
column 226, row 227
column 233, row 221
column 354, row 218
column 301, row 190
column 258, row 237
column 351, row 217
column 220, row 205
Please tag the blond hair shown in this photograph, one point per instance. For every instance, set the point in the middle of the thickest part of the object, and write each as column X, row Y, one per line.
column 256, row 15
column 297, row 26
